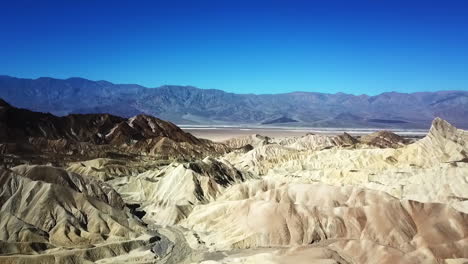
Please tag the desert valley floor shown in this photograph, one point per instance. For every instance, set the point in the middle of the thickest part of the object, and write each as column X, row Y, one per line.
column 99, row 188
column 220, row 133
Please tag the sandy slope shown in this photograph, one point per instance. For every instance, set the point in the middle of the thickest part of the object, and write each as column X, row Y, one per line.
column 168, row 195
column 272, row 214
column 434, row 169
column 50, row 216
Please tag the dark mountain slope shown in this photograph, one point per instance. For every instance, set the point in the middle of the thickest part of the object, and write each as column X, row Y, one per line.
column 37, row 135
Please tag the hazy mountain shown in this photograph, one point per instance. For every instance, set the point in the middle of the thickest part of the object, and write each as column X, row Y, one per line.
column 280, row 120
column 190, row 105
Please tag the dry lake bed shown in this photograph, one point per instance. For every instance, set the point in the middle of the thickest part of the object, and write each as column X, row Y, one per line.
column 220, row 133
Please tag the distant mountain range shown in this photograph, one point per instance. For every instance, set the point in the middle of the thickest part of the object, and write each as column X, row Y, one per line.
column 190, row 105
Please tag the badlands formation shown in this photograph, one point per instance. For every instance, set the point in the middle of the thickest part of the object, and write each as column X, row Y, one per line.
column 103, row 189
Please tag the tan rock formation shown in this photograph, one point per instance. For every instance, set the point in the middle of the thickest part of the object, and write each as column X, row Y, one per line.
column 271, row 214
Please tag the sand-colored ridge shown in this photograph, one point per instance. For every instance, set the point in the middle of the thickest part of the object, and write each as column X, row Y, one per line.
column 169, row 194
column 280, row 214
column 48, row 215
column 432, row 169
column 252, row 140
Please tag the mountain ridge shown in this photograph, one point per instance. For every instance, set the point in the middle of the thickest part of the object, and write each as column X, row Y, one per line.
column 214, row 89
column 29, row 135
column 191, row 105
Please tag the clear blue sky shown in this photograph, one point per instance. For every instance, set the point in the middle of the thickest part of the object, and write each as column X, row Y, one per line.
column 242, row 46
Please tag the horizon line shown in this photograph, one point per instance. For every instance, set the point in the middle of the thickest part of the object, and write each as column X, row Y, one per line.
column 216, row 89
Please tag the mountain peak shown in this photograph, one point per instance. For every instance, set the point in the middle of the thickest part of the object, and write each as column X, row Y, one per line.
column 443, row 128
column 3, row 103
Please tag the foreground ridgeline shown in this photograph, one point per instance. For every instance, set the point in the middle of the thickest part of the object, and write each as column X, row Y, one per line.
column 141, row 190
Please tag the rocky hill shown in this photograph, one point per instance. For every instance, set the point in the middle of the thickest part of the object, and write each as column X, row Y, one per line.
column 44, row 211
column 82, row 136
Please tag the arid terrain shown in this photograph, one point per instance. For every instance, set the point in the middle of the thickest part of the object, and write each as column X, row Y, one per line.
column 219, row 134
column 99, row 188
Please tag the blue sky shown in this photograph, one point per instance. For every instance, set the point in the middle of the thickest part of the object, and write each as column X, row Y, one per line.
column 242, row 46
